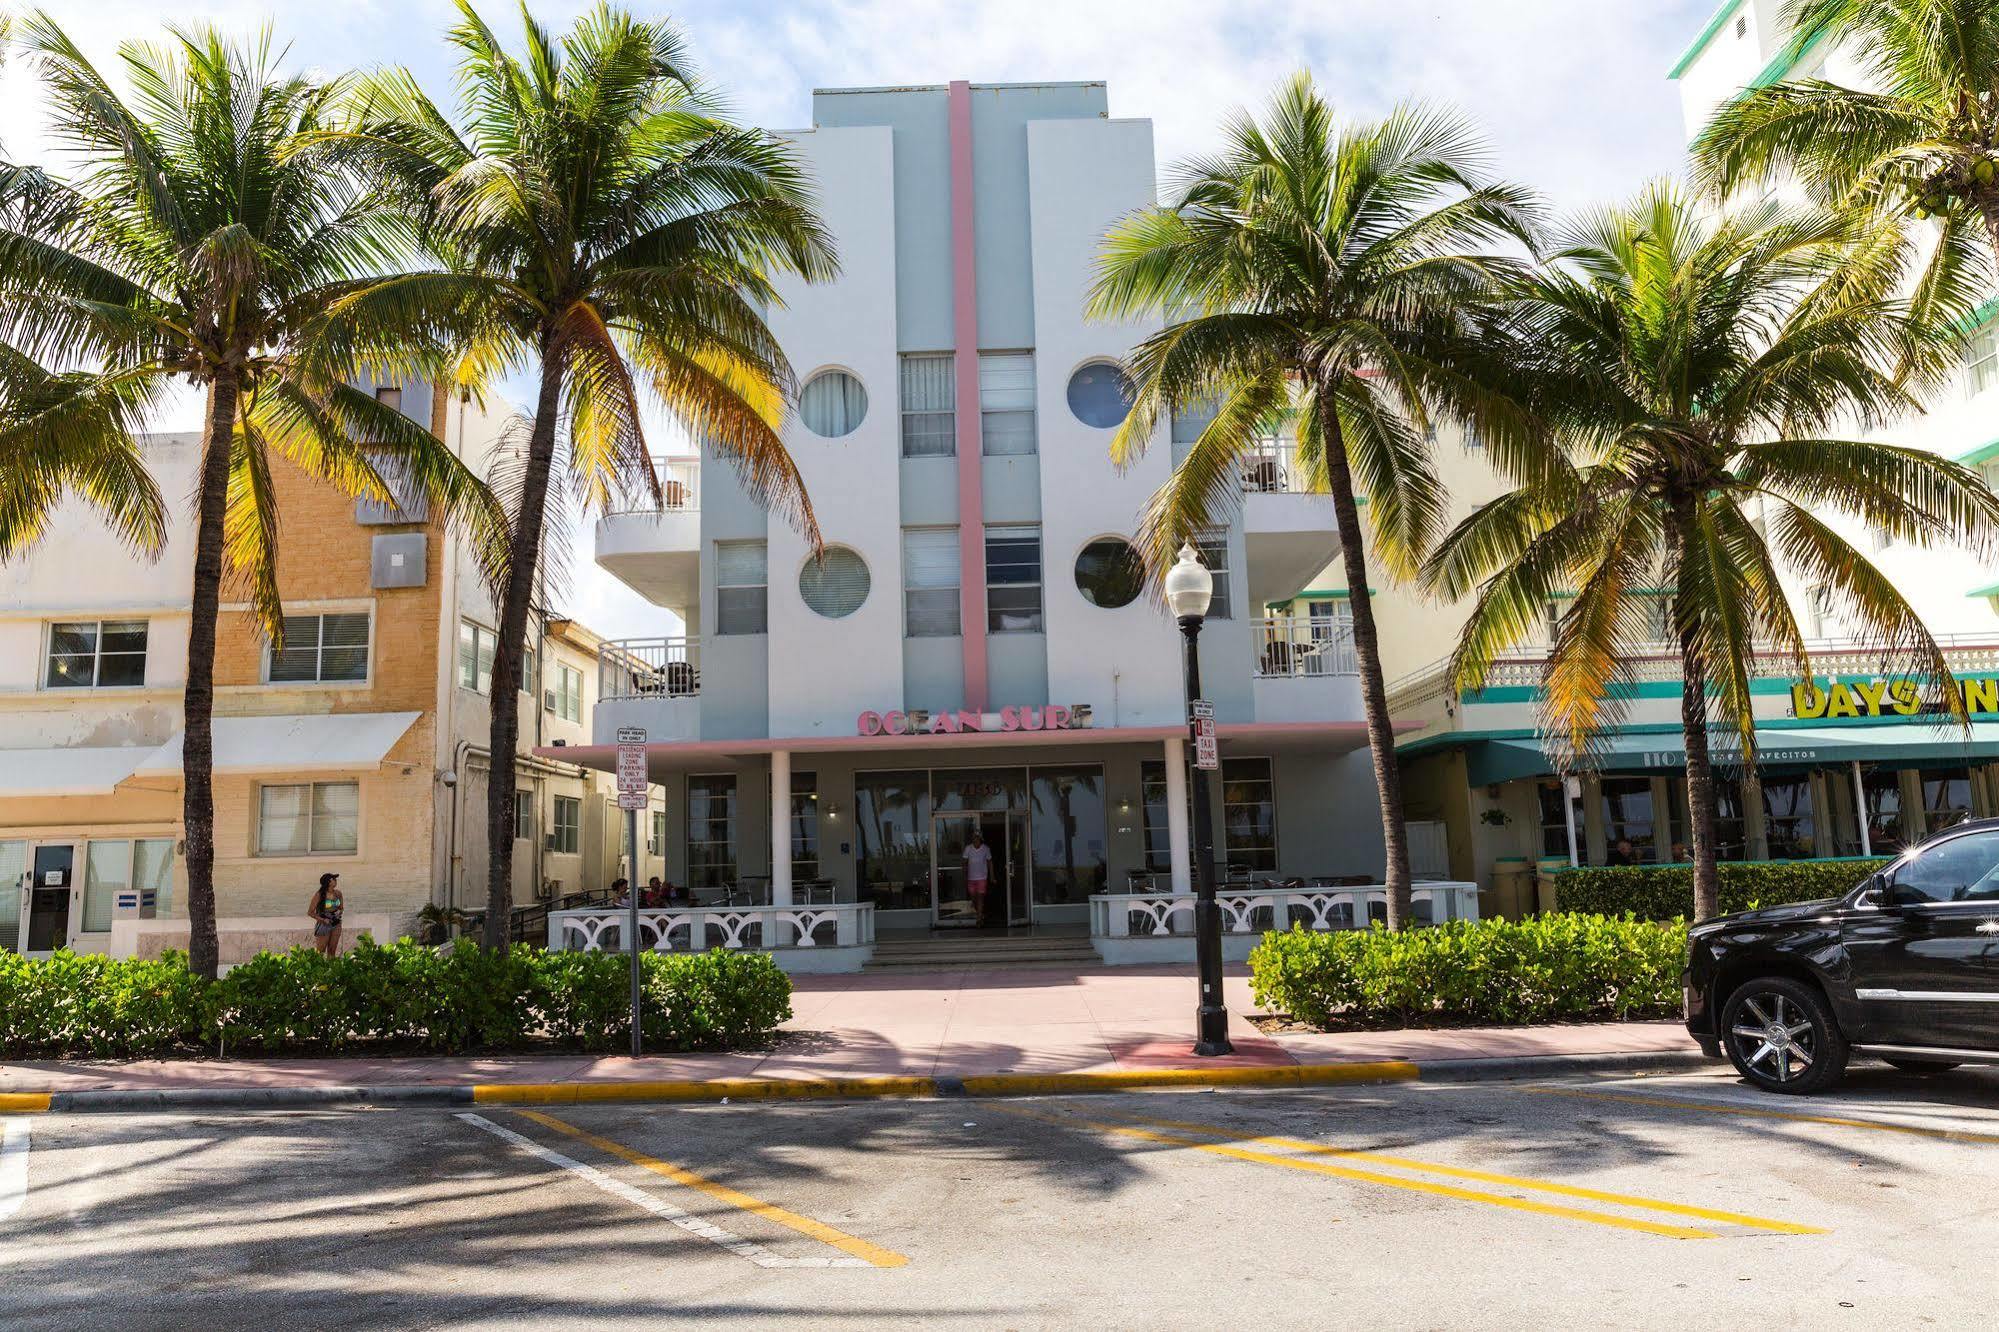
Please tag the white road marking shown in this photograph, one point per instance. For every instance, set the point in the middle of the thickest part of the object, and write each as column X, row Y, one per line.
column 707, row 1230
column 13, row 1167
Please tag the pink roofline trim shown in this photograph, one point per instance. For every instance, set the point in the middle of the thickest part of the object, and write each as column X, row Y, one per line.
column 605, row 756
column 965, row 333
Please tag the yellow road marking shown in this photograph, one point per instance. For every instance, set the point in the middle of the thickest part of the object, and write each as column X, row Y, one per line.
column 1490, row 1177
column 874, row 1254
column 1718, row 1108
column 1370, row 1177
column 24, row 1102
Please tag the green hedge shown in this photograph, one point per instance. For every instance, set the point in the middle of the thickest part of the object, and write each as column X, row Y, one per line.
column 1494, row 971
column 404, row 996
column 1666, row 892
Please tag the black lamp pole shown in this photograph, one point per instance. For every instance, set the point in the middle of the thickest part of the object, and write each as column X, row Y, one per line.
column 1212, row 1016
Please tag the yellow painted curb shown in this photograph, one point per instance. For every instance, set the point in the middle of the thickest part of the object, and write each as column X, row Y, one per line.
column 715, row 1089
column 24, row 1102
column 1285, row 1075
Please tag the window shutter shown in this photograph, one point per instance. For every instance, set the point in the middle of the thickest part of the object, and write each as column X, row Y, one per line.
column 929, row 406
column 930, row 580
column 740, row 563
column 1006, row 402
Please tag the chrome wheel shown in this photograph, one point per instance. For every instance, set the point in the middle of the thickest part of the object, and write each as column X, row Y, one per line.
column 1774, row 1037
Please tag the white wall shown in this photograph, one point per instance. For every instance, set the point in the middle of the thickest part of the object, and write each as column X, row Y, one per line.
column 823, row 673
column 1082, row 176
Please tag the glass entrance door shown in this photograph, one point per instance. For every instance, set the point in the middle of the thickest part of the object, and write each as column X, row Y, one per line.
column 48, row 898
column 960, row 901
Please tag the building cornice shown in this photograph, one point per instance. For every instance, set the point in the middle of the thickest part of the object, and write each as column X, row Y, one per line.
column 1699, row 44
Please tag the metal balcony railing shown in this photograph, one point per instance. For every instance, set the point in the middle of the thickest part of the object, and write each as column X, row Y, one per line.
column 649, row 668
column 1296, row 646
column 1272, row 468
column 679, row 484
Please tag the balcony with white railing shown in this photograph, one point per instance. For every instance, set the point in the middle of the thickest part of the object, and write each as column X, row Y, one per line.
column 657, row 551
column 1288, row 523
column 1305, row 670
column 649, row 682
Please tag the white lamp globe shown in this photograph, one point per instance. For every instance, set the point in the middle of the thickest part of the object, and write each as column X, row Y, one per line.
column 1189, row 586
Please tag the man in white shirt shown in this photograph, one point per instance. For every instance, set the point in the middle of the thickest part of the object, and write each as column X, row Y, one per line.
column 978, row 872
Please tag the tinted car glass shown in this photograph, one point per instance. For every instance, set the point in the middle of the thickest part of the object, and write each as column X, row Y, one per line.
column 1962, row 869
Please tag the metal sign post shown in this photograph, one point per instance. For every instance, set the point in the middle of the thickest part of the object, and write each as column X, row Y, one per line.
column 633, row 795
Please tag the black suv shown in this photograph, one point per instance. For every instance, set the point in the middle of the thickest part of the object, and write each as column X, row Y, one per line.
column 1905, row 967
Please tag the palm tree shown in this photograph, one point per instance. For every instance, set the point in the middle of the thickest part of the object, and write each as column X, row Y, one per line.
column 1923, row 139
column 1334, row 272
column 202, row 245
column 1691, row 370
column 611, row 234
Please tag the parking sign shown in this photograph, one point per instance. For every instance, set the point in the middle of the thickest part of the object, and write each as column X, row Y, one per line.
column 1201, row 716
column 633, row 792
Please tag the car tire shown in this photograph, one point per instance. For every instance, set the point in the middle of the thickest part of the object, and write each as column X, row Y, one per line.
column 1924, row 1067
column 1781, row 1035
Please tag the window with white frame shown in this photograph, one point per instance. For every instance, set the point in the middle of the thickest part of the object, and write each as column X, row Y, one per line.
column 711, row 831
column 322, row 648
column 527, row 670
column 1013, row 579
column 145, row 863
column 1214, row 551
column 568, row 691
column 1330, row 621
column 1818, row 611
column 1981, row 360
column 1659, row 618
column 565, row 828
column 742, row 592
column 475, row 656
column 96, row 654
column 309, row 818
column 524, row 816
column 656, row 838
column 1006, row 403
column 1249, row 814
column 930, row 582
column 929, row 405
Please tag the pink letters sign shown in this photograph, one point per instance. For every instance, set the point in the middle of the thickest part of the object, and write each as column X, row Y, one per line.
column 922, row 721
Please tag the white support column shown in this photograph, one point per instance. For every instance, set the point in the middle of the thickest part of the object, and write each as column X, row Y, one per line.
column 780, row 837
column 1176, row 815
column 1571, row 792
column 1860, row 810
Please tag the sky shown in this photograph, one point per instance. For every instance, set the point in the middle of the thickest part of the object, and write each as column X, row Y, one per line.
column 1572, row 94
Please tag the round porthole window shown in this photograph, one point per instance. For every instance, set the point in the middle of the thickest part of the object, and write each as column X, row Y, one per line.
column 1100, row 395
column 1109, row 573
column 832, row 404
column 836, row 583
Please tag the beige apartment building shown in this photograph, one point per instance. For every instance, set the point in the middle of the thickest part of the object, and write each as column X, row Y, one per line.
column 356, row 747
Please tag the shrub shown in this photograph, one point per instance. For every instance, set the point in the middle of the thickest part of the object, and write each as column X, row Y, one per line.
column 1495, row 971
column 1666, row 892
column 402, row 996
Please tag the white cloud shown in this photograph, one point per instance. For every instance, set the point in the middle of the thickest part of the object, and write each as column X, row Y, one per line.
column 1572, row 93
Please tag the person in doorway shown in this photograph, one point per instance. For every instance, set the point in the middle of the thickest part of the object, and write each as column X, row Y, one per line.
column 328, row 906
column 1623, row 853
column 978, row 874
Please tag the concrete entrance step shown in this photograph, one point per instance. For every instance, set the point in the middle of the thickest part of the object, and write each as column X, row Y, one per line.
column 939, row 951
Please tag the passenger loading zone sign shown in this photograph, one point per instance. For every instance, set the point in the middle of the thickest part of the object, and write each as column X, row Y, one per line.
column 1201, row 716
column 632, row 786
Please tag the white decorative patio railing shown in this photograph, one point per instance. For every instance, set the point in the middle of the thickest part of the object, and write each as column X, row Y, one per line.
column 698, row 929
column 1271, row 467
column 1297, row 646
column 1254, row 910
column 649, row 668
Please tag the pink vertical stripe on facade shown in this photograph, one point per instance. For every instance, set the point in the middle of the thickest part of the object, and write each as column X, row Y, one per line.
column 965, row 334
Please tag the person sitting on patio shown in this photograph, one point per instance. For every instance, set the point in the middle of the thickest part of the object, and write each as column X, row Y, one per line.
column 621, row 892
column 655, row 893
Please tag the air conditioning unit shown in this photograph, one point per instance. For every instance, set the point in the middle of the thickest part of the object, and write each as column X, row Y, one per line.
column 548, row 700
column 548, row 841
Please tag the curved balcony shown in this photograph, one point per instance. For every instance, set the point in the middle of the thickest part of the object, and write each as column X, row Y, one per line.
column 657, row 552
column 1289, row 529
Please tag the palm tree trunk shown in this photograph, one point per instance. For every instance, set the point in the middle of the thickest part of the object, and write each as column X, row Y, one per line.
column 515, row 603
column 1700, row 777
column 1373, row 689
column 197, row 758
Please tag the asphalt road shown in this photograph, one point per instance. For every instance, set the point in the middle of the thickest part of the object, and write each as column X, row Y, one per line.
column 1661, row 1202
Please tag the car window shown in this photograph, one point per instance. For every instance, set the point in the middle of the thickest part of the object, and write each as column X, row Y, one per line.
column 1962, row 869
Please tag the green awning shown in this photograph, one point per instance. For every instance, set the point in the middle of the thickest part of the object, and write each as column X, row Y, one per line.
column 1489, row 761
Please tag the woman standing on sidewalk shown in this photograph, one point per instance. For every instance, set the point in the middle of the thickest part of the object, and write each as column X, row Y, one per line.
column 327, row 907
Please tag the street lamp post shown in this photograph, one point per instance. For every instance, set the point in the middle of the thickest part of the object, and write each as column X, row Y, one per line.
column 1189, row 589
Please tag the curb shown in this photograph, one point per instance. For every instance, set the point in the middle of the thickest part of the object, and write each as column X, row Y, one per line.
column 119, row 1100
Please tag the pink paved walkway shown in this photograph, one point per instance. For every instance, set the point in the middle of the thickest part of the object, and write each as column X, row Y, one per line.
column 958, row 1023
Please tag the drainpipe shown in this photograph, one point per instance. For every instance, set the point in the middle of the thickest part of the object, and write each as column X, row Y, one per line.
column 1571, row 790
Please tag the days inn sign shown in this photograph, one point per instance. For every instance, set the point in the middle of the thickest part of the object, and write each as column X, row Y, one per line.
column 1833, row 700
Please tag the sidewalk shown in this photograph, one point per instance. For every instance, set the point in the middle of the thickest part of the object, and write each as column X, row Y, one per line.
column 1005, row 1027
